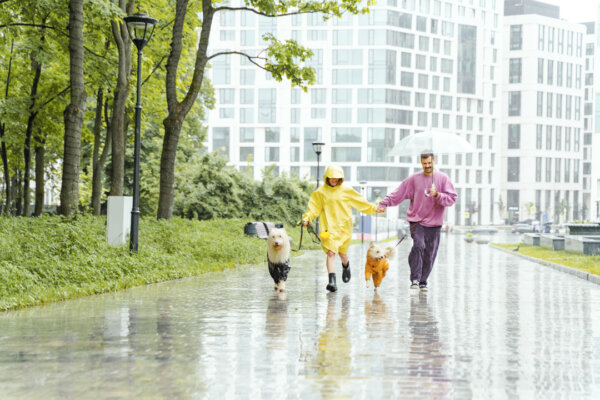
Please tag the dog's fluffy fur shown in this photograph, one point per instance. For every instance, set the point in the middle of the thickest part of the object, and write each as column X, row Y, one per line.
column 278, row 257
column 377, row 263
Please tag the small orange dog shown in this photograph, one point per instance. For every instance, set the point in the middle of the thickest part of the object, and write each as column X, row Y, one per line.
column 377, row 263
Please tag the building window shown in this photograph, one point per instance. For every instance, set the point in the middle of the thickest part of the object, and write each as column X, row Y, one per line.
column 514, row 75
column 246, row 154
column 557, row 163
column 271, row 135
column 540, row 104
column 467, row 58
column 514, row 103
column 548, row 137
column 221, row 141
column 310, row 135
column 345, row 154
column 271, row 154
column 538, row 169
column 550, row 74
column 513, row 169
column 558, row 136
column 379, row 141
column 514, row 136
column 540, row 70
column 516, row 39
column 548, row 169
column 538, row 136
column 267, row 107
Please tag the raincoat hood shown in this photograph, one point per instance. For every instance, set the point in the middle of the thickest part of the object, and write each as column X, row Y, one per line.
column 334, row 172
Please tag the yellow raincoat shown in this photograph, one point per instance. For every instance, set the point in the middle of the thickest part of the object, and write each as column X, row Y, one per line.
column 334, row 207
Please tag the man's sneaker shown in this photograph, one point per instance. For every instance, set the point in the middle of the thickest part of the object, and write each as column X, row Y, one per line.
column 423, row 287
column 414, row 285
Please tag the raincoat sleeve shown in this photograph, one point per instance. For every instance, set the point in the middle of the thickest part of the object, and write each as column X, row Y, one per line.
column 403, row 192
column 447, row 194
column 359, row 203
column 315, row 206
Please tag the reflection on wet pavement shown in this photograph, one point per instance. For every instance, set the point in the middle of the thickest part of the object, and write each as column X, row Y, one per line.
column 491, row 326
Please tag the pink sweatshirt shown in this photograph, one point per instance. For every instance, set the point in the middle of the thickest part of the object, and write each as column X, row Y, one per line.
column 422, row 206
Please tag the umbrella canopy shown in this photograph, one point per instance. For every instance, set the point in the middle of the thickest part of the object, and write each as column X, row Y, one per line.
column 436, row 142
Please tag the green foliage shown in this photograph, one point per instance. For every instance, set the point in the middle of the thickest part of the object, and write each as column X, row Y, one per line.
column 55, row 258
column 206, row 188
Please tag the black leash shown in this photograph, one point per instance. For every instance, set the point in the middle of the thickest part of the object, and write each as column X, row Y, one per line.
column 309, row 229
column 415, row 224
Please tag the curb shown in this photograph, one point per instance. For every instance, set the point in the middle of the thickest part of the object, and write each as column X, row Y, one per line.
column 563, row 268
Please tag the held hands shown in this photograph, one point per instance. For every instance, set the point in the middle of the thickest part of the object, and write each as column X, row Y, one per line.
column 380, row 209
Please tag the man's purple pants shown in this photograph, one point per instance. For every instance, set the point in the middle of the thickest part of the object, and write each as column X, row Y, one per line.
column 422, row 255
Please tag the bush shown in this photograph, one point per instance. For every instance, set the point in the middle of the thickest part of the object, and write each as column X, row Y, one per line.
column 206, row 189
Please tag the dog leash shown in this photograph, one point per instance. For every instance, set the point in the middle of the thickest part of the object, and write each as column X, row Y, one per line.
column 415, row 224
column 309, row 229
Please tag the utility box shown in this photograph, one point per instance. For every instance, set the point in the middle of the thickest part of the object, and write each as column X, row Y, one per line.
column 118, row 219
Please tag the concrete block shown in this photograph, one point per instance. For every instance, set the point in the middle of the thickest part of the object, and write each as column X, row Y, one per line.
column 118, row 219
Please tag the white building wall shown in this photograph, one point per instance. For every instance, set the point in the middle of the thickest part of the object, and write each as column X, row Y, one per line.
column 533, row 186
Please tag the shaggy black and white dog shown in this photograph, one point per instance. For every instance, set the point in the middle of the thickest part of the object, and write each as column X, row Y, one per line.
column 278, row 257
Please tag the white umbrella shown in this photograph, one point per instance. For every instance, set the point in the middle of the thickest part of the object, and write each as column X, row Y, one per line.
column 436, row 142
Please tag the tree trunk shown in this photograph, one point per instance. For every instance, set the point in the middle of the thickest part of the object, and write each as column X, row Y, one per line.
column 40, row 155
column 4, row 156
column 117, row 126
column 167, row 167
column 99, row 158
column 16, row 200
column 178, row 110
column 69, row 193
column 37, row 68
column 3, row 151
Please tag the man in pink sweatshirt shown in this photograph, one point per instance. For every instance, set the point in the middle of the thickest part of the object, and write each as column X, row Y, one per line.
column 429, row 193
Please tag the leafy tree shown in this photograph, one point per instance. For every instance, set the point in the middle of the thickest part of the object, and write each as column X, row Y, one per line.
column 283, row 59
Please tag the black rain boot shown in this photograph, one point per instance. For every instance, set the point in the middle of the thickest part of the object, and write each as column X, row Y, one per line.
column 346, row 272
column 332, row 286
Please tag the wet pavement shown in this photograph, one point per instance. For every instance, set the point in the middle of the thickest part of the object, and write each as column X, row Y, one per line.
column 492, row 326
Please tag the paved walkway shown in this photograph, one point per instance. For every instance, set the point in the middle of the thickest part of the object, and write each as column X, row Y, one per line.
column 492, row 326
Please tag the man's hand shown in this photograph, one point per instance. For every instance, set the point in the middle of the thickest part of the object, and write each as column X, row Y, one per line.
column 433, row 192
column 367, row 284
column 380, row 209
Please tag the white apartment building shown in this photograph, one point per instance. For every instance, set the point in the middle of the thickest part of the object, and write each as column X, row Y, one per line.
column 591, row 140
column 542, row 142
column 407, row 66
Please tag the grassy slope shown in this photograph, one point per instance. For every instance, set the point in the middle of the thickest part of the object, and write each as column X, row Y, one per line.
column 53, row 258
column 589, row 264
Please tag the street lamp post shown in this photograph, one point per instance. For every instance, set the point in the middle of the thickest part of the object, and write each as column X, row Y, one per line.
column 363, row 186
column 318, row 148
column 140, row 28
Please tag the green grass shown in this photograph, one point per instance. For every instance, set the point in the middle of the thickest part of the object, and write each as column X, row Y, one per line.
column 55, row 258
column 589, row 264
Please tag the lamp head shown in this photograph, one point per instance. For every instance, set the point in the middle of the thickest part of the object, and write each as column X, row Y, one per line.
column 318, row 147
column 140, row 27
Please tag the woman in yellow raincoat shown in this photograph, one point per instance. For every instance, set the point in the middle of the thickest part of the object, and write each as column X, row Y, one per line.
column 333, row 202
